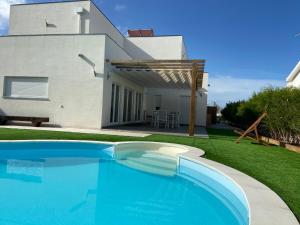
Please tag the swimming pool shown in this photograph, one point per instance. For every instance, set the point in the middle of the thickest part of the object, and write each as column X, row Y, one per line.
column 76, row 183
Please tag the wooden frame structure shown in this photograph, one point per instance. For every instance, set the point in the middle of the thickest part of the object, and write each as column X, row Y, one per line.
column 252, row 128
column 166, row 74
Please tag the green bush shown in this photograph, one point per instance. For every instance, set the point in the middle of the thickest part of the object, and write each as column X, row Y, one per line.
column 232, row 114
column 229, row 113
column 283, row 113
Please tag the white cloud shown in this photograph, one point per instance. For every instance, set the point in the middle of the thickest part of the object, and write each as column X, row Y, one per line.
column 120, row 7
column 226, row 88
column 4, row 11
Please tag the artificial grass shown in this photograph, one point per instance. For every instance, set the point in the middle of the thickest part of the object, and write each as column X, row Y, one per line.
column 274, row 166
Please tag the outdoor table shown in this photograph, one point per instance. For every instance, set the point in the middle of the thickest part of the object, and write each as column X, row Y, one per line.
column 169, row 119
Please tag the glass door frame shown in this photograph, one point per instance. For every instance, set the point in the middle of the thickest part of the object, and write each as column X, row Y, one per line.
column 115, row 104
column 128, row 105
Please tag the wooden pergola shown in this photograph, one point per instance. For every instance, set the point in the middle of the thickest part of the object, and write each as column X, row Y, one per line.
column 166, row 74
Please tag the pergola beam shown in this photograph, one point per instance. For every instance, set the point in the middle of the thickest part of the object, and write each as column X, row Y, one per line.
column 159, row 64
column 155, row 67
column 156, row 63
column 192, row 61
column 156, row 70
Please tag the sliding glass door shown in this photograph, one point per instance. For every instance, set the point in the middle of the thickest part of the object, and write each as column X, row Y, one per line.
column 138, row 106
column 115, row 100
column 127, row 105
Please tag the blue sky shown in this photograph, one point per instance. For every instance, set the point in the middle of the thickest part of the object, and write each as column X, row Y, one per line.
column 248, row 44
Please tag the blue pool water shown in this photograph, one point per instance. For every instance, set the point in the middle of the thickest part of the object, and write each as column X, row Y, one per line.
column 59, row 183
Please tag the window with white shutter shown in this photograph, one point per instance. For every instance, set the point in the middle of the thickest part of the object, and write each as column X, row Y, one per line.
column 26, row 87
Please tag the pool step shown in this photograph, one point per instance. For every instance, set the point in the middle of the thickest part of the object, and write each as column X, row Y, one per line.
column 155, row 155
column 152, row 163
column 163, row 164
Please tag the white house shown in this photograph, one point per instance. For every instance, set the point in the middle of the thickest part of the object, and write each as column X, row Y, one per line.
column 293, row 80
column 68, row 62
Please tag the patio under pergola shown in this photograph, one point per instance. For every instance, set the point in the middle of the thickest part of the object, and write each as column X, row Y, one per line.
column 186, row 74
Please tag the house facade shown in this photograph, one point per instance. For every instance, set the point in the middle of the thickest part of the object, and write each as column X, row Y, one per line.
column 293, row 80
column 56, row 62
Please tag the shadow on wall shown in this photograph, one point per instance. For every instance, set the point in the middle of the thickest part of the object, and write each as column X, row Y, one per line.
column 138, row 52
column 26, row 124
column 2, row 113
column 84, row 17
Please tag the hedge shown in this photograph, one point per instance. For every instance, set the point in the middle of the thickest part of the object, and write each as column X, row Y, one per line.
column 283, row 113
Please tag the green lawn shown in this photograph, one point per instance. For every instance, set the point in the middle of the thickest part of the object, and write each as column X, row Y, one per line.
column 276, row 167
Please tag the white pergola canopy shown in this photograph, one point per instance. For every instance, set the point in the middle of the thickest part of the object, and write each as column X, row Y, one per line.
column 186, row 74
column 160, row 73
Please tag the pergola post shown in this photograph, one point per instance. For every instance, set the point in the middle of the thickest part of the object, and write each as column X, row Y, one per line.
column 193, row 101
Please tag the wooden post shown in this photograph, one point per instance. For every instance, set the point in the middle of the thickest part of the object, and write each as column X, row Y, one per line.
column 193, row 101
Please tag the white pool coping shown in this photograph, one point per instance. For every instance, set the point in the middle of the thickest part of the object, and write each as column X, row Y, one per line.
column 265, row 206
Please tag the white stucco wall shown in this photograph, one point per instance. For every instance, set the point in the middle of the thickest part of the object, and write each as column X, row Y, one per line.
column 74, row 91
column 183, row 51
column 163, row 47
column 205, row 82
column 293, row 79
column 63, row 19
column 295, row 82
column 31, row 19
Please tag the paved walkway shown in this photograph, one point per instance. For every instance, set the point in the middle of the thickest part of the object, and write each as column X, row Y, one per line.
column 129, row 130
column 181, row 131
column 84, row 131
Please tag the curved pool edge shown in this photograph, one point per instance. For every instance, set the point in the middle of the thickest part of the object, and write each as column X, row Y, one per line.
column 265, row 206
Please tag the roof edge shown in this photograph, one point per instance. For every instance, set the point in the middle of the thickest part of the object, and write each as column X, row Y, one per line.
column 72, row 1
column 171, row 35
column 41, row 3
column 41, row 35
column 294, row 73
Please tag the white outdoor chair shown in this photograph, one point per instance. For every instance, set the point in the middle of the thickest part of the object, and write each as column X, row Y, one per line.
column 158, row 118
column 173, row 119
